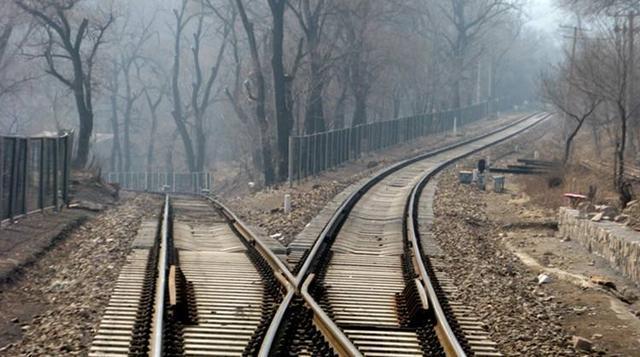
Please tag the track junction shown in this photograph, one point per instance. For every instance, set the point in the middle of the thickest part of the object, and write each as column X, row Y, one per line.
column 199, row 282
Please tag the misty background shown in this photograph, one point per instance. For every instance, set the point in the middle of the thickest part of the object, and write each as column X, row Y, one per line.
column 209, row 85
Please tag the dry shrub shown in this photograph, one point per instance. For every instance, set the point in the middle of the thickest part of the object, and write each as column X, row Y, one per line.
column 543, row 190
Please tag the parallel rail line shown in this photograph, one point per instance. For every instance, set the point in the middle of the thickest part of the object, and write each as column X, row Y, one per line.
column 371, row 284
column 198, row 281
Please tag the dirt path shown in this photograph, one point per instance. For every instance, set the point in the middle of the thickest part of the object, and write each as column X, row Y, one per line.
column 53, row 309
column 497, row 245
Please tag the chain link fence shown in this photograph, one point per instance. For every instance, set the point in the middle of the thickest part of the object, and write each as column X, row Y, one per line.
column 177, row 182
column 312, row 154
column 34, row 174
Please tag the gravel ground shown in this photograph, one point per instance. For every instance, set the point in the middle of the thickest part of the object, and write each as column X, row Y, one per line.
column 520, row 315
column 55, row 307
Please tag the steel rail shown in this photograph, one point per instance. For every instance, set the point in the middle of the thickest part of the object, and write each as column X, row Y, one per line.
column 447, row 336
column 247, row 234
column 279, row 269
column 305, row 275
column 300, row 283
column 334, row 224
column 156, row 341
column 274, row 326
column 336, row 337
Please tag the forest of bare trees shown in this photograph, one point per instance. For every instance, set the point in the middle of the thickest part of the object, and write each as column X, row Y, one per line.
column 195, row 85
column 595, row 87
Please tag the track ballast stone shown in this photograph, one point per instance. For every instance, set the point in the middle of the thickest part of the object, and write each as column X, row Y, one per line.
column 491, row 279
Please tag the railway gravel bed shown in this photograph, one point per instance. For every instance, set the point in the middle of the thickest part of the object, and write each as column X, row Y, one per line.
column 521, row 319
column 55, row 307
column 264, row 209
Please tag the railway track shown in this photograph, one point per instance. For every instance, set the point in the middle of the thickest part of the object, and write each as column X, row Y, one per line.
column 196, row 283
column 370, row 274
column 199, row 283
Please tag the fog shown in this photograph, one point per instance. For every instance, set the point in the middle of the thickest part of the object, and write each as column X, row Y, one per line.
column 220, row 85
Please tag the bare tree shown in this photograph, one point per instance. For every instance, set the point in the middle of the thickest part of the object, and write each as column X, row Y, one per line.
column 132, row 58
column 259, row 98
column 312, row 17
column 578, row 104
column 469, row 21
column 113, row 86
column 63, row 47
column 153, row 103
column 194, row 141
column 284, row 121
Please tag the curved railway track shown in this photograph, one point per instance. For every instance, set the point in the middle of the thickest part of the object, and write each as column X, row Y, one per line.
column 198, row 282
column 370, row 277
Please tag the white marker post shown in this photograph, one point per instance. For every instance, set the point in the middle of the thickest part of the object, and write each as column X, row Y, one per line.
column 455, row 126
column 287, row 204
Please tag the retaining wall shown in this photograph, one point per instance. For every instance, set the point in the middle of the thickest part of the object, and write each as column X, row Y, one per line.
column 617, row 243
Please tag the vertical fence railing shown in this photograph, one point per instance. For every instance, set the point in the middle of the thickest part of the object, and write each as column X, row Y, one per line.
column 154, row 181
column 312, row 154
column 34, row 174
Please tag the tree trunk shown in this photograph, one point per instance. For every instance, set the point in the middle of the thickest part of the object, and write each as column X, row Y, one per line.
column 283, row 116
column 596, row 141
column 201, row 146
column 5, row 35
column 152, row 139
column 567, row 145
column 127, row 123
column 457, row 82
column 267, row 159
column 86, row 128
column 116, row 153
column 314, row 110
column 177, row 113
column 360, row 111
column 621, row 187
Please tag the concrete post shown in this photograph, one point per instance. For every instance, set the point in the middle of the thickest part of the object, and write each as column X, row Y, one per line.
column 287, row 204
column 455, row 126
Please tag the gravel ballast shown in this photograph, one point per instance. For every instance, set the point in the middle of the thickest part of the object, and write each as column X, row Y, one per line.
column 521, row 317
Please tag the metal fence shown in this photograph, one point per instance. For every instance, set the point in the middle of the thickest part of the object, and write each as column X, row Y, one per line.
column 312, row 154
column 34, row 174
column 184, row 182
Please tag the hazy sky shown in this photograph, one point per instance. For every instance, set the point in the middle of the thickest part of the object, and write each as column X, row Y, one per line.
column 544, row 15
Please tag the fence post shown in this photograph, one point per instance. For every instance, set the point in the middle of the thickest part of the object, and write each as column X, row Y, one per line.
column 25, row 176
column 67, row 168
column 299, row 161
column 13, row 190
column 3, row 153
column 314, row 159
column 55, row 173
column 291, row 148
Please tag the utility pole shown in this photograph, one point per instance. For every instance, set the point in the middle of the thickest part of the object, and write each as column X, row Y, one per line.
column 478, row 81
column 574, row 41
column 630, row 72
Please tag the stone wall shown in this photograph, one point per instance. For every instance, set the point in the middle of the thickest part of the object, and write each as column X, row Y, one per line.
column 617, row 243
